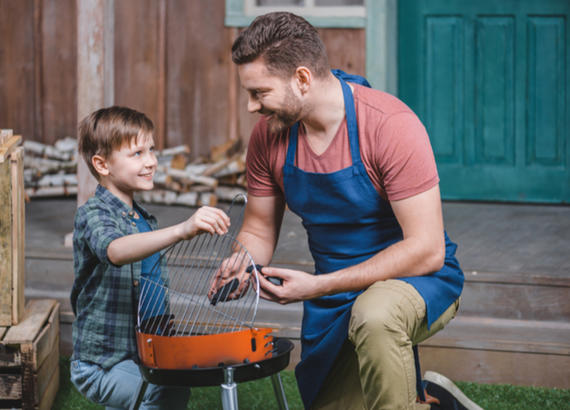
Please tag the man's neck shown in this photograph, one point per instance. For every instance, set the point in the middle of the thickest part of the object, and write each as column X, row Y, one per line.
column 325, row 114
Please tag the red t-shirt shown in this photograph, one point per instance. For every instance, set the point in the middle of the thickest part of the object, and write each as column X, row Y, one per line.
column 394, row 147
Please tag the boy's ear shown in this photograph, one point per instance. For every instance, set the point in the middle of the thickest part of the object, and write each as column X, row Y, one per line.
column 100, row 165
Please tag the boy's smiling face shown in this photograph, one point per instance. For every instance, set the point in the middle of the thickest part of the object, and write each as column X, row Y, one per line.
column 129, row 169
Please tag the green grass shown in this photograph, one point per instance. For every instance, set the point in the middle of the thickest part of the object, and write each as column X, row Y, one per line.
column 259, row 395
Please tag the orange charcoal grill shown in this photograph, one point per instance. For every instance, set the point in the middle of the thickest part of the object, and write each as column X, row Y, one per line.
column 196, row 313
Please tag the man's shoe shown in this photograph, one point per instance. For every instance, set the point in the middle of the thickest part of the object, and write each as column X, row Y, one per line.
column 448, row 394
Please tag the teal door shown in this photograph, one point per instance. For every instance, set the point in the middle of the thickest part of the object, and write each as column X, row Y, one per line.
column 490, row 80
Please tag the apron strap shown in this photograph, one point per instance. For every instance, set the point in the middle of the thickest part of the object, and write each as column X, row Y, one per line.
column 292, row 149
column 351, row 123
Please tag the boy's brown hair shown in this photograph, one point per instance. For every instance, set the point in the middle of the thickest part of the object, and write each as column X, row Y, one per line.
column 285, row 41
column 108, row 129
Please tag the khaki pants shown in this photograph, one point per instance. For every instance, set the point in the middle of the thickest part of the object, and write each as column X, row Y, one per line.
column 375, row 368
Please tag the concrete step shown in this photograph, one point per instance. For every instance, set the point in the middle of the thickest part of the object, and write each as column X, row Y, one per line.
column 516, row 296
column 490, row 350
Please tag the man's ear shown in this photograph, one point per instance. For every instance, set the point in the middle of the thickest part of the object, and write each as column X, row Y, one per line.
column 303, row 78
column 100, row 165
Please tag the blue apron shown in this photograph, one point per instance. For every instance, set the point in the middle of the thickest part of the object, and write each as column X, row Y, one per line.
column 347, row 222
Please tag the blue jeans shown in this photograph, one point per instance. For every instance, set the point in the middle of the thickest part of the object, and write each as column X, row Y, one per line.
column 117, row 387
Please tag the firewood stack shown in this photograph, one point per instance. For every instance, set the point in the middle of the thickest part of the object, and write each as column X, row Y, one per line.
column 50, row 171
column 204, row 181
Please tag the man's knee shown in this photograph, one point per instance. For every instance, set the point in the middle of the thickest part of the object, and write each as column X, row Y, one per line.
column 386, row 309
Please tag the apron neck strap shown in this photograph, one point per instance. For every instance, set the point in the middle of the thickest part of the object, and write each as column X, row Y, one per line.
column 351, row 124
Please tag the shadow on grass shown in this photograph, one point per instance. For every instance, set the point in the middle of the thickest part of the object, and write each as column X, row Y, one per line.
column 259, row 395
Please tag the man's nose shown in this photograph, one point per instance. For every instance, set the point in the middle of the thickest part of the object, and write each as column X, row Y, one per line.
column 253, row 105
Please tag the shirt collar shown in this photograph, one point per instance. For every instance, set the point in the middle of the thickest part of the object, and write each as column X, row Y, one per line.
column 106, row 196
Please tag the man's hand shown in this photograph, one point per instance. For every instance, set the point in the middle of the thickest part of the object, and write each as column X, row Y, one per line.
column 297, row 285
column 231, row 280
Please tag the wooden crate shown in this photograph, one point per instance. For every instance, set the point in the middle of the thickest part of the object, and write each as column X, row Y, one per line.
column 12, row 232
column 29, row 358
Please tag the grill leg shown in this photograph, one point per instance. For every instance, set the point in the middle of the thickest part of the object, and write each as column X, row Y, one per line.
column 279, row 391
column 229, row 390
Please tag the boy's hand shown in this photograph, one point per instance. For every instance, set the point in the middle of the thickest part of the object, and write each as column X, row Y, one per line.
column 206, row 219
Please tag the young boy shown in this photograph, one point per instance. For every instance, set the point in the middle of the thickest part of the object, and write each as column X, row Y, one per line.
column 115, row 243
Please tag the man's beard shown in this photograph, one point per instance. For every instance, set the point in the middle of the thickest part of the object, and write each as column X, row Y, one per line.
column 279, row 121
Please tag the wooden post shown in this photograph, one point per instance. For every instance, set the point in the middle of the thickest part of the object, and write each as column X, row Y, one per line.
column 12, row 275
column 95, row 88
column 18, row 234
column 5, row 245
column 233, row 118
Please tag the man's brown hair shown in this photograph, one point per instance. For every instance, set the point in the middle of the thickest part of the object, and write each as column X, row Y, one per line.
column 108, row 129
column 285, row 41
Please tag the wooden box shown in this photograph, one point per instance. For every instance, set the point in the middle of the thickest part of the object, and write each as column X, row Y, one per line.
column 12, row 233
column 29, row 358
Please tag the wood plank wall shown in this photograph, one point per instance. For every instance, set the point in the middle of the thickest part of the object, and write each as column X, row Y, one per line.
column 172, row 61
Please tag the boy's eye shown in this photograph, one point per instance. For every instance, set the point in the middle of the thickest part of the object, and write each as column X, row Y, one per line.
column 138, row 153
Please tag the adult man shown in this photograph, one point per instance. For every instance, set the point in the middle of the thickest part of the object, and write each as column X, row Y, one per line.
column 356, row 165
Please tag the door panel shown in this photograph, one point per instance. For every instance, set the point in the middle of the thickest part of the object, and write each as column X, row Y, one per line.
column 490, row 82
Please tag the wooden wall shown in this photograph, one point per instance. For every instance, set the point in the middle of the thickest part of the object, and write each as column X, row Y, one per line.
column 37, row 68
column 172, row 61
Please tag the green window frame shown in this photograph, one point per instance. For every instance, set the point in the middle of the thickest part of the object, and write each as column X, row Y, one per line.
column 236, row 16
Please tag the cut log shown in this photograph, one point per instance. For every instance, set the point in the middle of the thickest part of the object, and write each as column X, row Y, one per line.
column 181, row 149
column 48, row 151
column 67, row 144
column 189, row 178
column 42, row 166
column 178, row 161
column 227, row 149
column 236, row 166
column 226, row 193
column 51, row 191
column 56, row 180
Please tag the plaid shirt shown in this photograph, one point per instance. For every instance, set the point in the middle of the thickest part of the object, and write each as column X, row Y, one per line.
column 103, row 294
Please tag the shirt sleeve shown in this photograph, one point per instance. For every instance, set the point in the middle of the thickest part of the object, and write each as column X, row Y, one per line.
column 98, row 229
column 405, row 158
column 261, row 178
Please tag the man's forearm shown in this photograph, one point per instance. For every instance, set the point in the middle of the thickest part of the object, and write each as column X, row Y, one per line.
column 408, row 257
column 261, row 249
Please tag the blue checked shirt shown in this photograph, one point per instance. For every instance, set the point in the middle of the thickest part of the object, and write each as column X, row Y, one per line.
column 103, row 295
